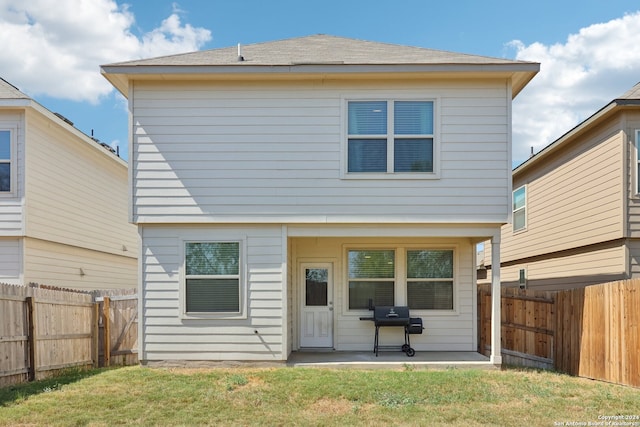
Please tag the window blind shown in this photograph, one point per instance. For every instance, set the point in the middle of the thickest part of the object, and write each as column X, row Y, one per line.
column 413, row 155
column 212, row 258
column 368, row 118
column 413, row 118
column 371, row 264
column 213, row 295
column 5, row 145
column 430, row 264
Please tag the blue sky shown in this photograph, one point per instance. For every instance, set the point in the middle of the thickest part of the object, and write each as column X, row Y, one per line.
column 589, row 50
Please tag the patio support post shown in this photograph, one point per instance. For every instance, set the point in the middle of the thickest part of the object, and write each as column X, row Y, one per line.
column 496, row 293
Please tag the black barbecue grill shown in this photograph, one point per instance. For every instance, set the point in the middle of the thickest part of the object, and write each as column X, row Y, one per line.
column 395, row 316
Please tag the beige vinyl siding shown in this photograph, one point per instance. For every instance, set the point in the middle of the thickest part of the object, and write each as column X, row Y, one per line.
column 444, row 331
column 65, row 266
column 11, row 206
column 244, row 152
column 571, row 270
column 76, row 194
column 574, row 198
column 167, row 336
column 11, row 261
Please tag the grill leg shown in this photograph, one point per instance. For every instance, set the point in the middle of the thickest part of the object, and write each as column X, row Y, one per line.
column 407, row 338
column 375, row 341
column 410, row 352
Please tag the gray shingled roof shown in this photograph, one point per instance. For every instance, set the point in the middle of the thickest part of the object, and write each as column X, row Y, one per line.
column 633, row 93
column 9, row 91
column 317, row 49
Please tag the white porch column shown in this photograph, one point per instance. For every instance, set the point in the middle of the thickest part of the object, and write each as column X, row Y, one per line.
column 496, row 292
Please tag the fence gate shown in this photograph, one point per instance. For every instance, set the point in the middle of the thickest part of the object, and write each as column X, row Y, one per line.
column 118, row 330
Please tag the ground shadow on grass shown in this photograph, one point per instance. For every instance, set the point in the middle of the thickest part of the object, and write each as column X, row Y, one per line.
column 532, row 369
column 17, row 392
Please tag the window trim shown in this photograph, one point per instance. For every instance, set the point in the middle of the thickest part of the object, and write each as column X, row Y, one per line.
column 242, row 280
column 13, row 146
column 389, row 98
column 523, row 208
column 400, row 285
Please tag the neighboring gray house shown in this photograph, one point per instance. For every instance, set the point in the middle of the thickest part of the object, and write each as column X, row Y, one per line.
column 279, row 186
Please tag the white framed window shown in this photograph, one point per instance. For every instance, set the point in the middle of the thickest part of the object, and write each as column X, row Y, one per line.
column 422, row 278
column 371, row 277
column 390, row 138
column 430, row 279
column 520, row 208
column 213, row 278
column 7, row 160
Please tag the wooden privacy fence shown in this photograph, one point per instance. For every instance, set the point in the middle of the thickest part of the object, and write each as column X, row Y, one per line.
column 44, row 330
column 590, row 332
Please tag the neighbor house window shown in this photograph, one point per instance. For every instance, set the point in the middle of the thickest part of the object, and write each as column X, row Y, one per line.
column 5, row 161
column 212, row 277
column 390, row 137
column 371, row 278
column 520, row 208
column 430, row 279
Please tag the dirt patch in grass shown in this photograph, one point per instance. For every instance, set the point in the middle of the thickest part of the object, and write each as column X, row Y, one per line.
column 330, row 407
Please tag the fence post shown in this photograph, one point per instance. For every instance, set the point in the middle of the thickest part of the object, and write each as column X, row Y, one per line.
column 31, row 337
column 106, row 312
column 95, row 334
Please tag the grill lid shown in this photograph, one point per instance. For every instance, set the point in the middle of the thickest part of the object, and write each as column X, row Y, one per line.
column 391, row 315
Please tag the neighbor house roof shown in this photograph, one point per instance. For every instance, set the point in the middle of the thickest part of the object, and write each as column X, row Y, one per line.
column 9, row 91
column 629, row 99
column 11, row 98
column 313, row 55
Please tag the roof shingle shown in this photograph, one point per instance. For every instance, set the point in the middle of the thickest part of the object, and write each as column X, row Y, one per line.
column 9, row 91
column 317, row 49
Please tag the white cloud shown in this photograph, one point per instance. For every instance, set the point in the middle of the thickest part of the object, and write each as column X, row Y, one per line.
column 57, row 50
column 576, row 79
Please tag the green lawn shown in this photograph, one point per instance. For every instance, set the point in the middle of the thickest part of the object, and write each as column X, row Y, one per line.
column 321, row 397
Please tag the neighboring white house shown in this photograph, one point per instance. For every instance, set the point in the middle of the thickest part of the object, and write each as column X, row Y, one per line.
column 279, row 186
column 63, row 202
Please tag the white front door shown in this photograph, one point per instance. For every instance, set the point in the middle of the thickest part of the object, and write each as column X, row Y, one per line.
column 316, row 320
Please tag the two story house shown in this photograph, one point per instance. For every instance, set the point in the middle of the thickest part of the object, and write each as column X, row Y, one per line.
column 63, row 203
column 279, row 187
column 576, row 205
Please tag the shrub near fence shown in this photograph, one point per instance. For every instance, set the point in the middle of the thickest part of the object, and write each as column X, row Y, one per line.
column 590, row 332
column 44, row 330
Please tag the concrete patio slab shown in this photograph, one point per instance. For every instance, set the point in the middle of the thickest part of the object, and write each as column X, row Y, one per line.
column 389, row 359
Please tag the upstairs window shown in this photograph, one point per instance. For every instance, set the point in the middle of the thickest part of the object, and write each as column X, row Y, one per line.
column 520, row 209
column 212, row 277
column 392, row 137
column 5, row 161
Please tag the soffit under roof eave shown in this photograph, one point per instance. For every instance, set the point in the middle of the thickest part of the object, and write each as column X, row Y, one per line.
column 15, row 102
column 119, row 76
